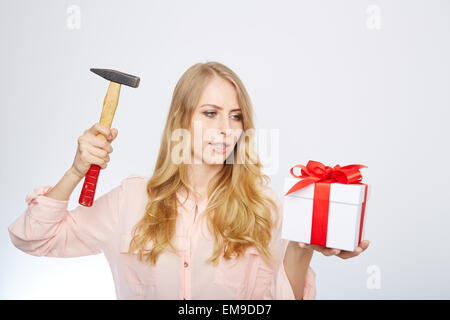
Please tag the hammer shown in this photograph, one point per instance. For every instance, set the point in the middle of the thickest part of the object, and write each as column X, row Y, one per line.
column 116, row 79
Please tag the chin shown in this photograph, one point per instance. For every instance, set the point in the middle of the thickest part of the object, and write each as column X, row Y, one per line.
column 214, row 160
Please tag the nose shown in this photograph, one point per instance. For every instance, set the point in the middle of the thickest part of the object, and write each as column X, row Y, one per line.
column 224, row 126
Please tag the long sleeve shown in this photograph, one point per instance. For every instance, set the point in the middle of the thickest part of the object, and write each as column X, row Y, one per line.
column 47, row 228
column 274, row 284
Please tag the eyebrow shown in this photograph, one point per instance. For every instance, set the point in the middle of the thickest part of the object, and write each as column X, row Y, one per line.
column 217, row 107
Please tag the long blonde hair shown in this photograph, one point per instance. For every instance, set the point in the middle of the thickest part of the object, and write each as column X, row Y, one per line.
column 238, row 212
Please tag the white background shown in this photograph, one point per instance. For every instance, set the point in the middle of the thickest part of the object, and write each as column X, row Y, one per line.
column 338, row 90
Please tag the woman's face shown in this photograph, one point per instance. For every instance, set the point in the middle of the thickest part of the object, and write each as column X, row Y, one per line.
column 216, row 123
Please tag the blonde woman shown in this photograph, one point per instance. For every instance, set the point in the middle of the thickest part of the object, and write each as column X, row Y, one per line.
column 205, row 225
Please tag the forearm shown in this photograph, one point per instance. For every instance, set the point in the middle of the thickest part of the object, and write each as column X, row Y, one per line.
column 296, row 262
column 64, row 188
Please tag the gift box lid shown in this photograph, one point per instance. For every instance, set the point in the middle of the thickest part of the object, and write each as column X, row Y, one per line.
column 339, row 192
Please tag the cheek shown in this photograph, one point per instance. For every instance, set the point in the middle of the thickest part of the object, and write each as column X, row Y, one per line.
column 197, row 129
column 200, row 138
column 208, row 133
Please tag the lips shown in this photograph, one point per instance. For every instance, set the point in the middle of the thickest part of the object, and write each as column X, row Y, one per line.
column 219, row 147
column 219, row 144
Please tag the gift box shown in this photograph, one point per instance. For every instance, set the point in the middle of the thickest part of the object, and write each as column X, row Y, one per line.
column 325, row 206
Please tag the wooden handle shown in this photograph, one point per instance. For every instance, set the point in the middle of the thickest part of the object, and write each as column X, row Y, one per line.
column 109, row 109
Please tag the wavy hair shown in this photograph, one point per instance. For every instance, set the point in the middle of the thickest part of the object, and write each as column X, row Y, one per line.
column 238, row 211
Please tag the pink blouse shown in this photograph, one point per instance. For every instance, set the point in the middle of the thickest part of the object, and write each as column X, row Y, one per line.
column 47, row 228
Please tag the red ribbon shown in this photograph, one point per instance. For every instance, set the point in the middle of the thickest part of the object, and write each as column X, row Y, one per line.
column 323, row 176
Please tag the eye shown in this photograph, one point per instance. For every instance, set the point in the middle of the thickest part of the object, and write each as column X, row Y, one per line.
column 208, row 113
column 237, row 117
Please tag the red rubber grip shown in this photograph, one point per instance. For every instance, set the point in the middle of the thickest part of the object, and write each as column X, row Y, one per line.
column 89, row 186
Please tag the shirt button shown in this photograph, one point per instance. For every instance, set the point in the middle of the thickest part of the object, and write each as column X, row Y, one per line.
column 186, row 264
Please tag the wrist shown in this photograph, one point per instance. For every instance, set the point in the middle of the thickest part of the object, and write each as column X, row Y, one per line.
column 73, row 173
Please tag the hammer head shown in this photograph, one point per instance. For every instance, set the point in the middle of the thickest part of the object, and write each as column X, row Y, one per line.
column 117, row 76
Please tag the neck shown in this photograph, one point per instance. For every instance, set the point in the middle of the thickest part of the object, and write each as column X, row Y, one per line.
column 200, row 175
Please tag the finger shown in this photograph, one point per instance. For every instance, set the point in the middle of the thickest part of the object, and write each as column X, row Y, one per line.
column 96, row 160
column 346, row 254
column 358, row 250
column 114, row 133
column 329, row 252
column 99, row 128
column 101, row 143
column 97, row 152
column 302, row 244
column 349, row 254
column 365, row 244
column 313, row 246
column 316, row 248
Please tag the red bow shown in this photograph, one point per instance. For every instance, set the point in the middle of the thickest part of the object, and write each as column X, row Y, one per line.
column 324, row 176
column 318, row 172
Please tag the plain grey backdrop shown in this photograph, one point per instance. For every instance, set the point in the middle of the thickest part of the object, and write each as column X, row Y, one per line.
column 343, row 82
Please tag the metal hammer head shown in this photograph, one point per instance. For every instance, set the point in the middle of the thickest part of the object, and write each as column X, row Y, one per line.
column 117, row 76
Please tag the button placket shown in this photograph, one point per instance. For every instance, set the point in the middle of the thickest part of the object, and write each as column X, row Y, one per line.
column 191, row 238
column 187, row 260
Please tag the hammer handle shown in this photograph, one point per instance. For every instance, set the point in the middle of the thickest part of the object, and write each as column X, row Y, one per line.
column 109, row 109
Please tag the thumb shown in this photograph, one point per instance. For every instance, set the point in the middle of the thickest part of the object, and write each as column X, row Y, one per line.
column 114, row 133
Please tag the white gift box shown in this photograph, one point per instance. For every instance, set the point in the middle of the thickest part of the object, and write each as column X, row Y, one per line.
column 344, row 228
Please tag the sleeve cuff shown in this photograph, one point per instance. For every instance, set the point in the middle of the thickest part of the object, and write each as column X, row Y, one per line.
column 36, row 201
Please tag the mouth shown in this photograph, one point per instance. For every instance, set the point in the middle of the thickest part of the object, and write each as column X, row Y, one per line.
column 219, row 147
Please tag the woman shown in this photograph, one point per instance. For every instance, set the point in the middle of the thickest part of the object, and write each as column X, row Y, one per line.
column 205, row 225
